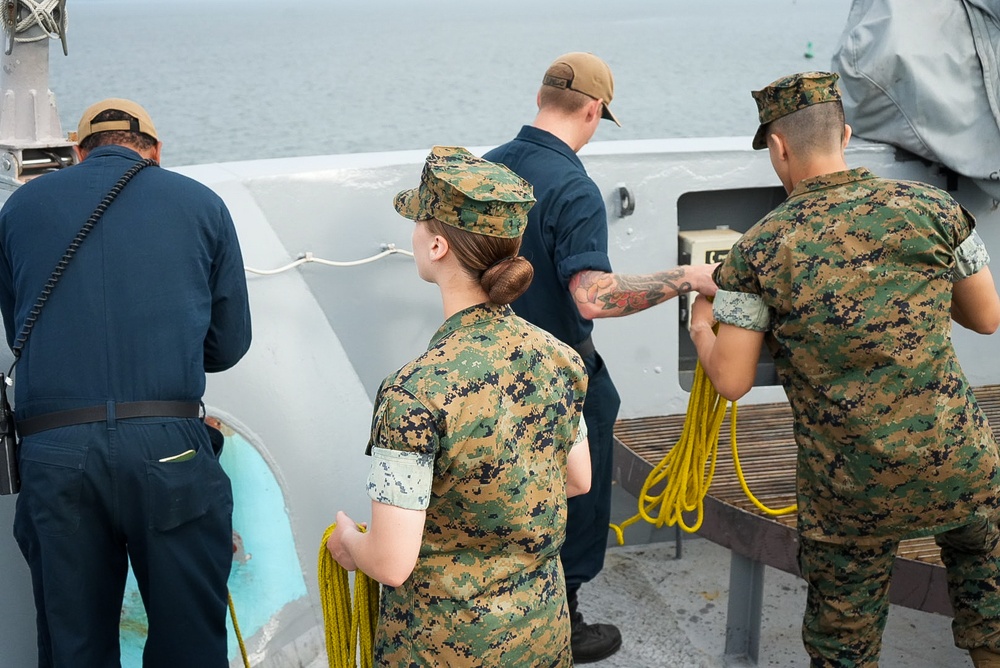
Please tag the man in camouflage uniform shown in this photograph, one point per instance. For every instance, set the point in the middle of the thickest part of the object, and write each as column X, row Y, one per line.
column 471, row 457
column 852, row 283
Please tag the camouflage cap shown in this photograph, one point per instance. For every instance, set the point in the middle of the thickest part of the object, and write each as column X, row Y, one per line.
column 791, row 93
column 468, row 193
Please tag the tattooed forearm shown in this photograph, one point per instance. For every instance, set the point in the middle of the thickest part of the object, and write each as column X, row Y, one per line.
column 616, row 294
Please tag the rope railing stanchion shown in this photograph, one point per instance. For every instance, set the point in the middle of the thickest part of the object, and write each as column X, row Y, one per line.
column 49, row 15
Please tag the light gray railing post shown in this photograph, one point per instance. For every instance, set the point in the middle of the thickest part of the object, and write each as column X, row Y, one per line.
column 746, row 596
column 31, row 137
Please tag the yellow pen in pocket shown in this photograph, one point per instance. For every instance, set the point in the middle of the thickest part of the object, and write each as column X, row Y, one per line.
column 182, row 457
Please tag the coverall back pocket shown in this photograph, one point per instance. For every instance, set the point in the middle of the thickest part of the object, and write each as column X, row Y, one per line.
column 182, row 491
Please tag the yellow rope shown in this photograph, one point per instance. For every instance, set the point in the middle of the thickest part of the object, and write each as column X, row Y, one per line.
column 346, row 628
column 239, row 636
column 342, row 627
column 743, row 481
column 689, row 467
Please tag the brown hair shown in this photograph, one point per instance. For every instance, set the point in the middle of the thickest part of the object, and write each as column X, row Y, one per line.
column 812, row 130
column 493, row 261
column 138, row 140
column 565, row 100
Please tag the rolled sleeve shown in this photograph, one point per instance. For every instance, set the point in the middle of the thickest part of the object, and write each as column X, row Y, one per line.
column 589, row 261
column 401, row 479
column 970, row 257
column 403, row 447
column 742, row 309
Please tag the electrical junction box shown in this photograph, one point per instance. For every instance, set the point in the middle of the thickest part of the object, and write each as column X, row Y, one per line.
column 706, row 246
column 703, row 247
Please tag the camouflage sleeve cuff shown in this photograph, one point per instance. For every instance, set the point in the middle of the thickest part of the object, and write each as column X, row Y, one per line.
column 742, row 309
column 401, row 479
column 970, row 257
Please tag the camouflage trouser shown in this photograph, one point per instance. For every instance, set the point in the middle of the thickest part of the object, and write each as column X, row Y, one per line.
column 848, row 599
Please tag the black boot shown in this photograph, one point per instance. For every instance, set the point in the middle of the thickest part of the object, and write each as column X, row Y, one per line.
column 591, row 642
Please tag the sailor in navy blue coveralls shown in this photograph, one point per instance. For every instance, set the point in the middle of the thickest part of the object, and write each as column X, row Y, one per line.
column 559, row 250
column 566, row 240
column 155, row 297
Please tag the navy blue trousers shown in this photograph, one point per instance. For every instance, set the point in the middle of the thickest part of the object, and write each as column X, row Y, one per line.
column 589, row 514
column 94, row 498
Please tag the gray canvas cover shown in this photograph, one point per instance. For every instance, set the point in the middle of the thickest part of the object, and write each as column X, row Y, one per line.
column 923, row 75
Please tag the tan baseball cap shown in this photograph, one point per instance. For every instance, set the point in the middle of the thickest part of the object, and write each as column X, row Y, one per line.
column 591, row 76
column 140, row 122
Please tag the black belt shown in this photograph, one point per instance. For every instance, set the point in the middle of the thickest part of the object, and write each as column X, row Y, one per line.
column 586, row 347
column 121, row 411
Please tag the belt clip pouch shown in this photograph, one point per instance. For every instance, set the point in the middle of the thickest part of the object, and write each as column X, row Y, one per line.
column 10, row 480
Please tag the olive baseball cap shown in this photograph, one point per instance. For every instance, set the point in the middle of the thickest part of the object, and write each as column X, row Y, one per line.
column 591, row 76
column 791, row 93
column 140, row 122
column 468, row 193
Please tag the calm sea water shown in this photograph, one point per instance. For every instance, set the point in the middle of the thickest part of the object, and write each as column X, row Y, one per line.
column 246, row 79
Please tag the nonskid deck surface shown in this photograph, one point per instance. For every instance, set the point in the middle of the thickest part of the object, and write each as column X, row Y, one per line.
column 766, row 448
column 672, row 613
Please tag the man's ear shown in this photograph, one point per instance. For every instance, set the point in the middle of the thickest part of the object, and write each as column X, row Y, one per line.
column 847, row 134
column 79, row 152
column 776, row 143
column 594, row 109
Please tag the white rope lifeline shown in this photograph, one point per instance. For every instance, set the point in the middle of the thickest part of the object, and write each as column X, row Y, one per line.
column 390, row 249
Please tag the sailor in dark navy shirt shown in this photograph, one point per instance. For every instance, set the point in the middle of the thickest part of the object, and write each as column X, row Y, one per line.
column 155, row 297
column 566, row 240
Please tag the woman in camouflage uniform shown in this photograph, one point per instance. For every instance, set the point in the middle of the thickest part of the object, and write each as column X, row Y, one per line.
column 475, row 446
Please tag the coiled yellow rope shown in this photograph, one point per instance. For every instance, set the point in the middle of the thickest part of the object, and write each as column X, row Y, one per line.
column 690, row 465
column 345, row 628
